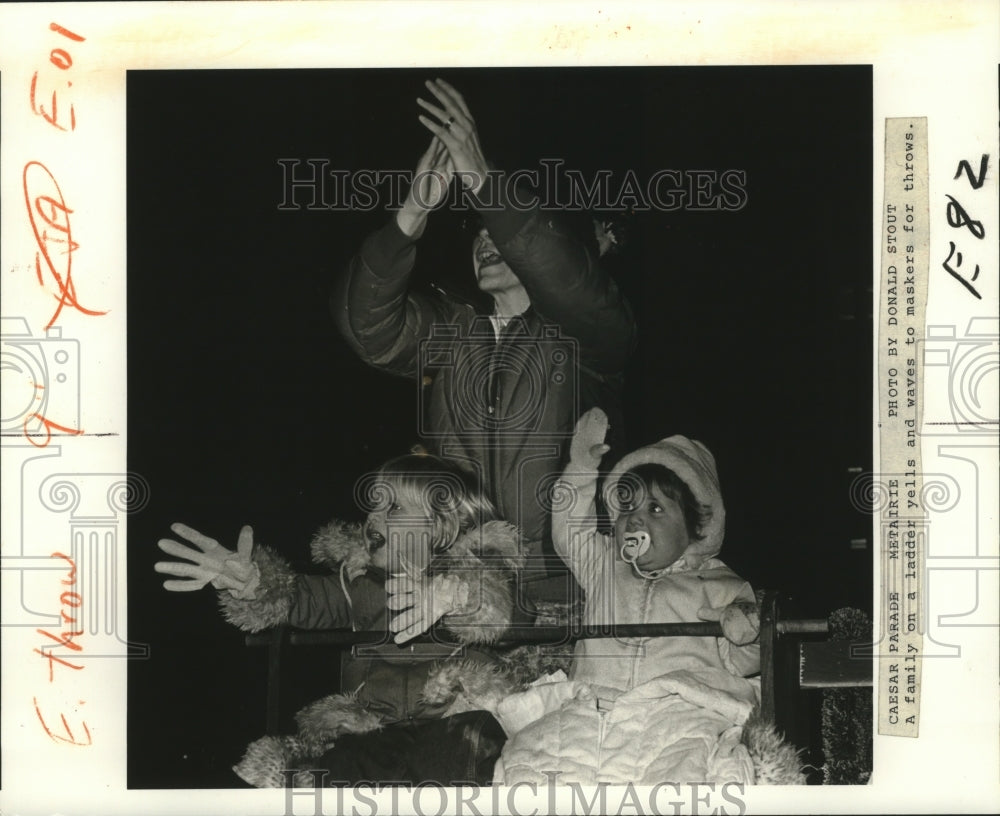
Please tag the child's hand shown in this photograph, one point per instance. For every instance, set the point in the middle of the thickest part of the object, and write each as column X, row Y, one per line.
column 214, row 564
column 587, row 447
column 740, row 621
column 423, row 601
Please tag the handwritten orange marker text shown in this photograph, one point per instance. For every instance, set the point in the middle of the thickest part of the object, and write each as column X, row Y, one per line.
column 47, row 210
column 70, row 602
column 63, row 61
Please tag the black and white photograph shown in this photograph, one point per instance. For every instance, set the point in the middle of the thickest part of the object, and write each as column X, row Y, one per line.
column 463, row 407
column 351, row 291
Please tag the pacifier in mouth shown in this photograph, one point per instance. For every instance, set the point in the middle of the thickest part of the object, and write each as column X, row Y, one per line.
column 635, row 545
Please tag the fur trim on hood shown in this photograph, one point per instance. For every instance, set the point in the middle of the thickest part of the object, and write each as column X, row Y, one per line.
column 695, row 466
column 498, row 543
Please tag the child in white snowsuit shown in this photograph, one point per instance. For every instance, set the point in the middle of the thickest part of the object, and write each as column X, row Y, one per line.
column 658, row 566
column 643, row 710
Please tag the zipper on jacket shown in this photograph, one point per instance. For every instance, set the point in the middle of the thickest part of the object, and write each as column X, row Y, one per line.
column 473, row 748
column 493, row 397
column 406, row 694
column 644, row 609
column 601, row 714
column 493, row 388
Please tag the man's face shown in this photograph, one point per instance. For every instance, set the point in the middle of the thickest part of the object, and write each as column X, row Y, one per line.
column 492, row 272
column 662, row 519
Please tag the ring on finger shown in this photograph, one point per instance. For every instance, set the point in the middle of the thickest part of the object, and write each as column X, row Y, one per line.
column 449, row 123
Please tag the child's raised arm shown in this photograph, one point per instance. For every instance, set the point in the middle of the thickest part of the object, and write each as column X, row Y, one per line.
column 574, row 506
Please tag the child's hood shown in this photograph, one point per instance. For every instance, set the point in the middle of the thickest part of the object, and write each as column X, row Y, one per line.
column 695, row 466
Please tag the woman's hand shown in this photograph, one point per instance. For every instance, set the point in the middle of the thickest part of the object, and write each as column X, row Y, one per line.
column 452, row 123
column 213, row 563
column 429, row 188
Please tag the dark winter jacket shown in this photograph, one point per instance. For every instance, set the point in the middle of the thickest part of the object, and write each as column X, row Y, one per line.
column 389, row 679
column 507, row 407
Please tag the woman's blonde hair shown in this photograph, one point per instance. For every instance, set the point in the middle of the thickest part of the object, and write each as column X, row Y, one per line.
column 451, row 495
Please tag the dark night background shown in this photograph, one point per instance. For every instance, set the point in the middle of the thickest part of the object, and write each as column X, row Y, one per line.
column 246, row 407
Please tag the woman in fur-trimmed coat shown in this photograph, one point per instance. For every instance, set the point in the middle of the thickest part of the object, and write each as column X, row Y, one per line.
column 431, row 550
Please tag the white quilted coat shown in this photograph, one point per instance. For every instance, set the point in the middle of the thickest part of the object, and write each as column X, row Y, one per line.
column 683, row 727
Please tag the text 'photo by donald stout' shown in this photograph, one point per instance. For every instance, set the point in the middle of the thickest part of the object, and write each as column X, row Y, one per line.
column 501, row 425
